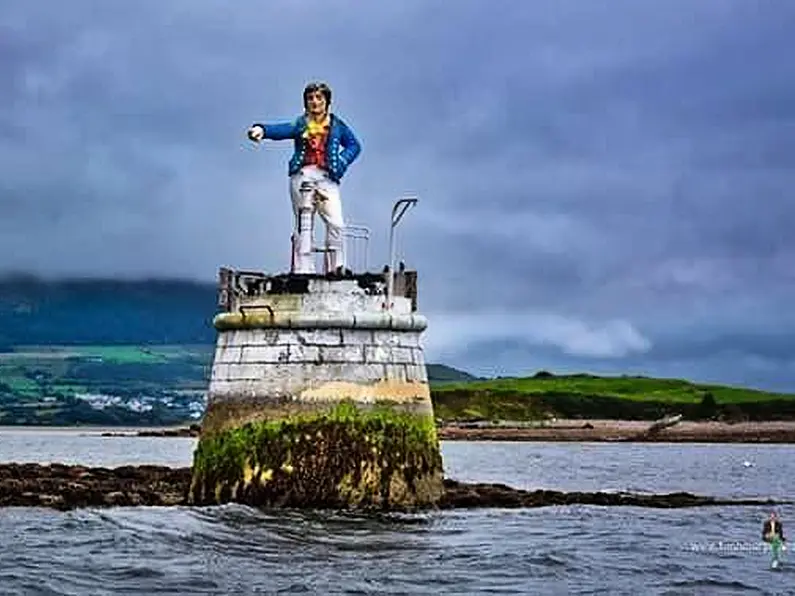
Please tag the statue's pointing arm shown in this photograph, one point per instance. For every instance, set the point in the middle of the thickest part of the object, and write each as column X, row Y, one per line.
column 277, row 131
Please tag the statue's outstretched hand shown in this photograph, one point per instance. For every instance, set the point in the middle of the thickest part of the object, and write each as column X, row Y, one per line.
column 256, row 133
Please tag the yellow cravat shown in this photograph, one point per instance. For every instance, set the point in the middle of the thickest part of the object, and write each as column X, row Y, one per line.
column 315, row 128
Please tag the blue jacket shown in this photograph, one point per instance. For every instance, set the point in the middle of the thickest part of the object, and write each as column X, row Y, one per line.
column 342, row 147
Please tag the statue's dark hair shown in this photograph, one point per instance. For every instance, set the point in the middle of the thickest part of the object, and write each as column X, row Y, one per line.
column 316, row 86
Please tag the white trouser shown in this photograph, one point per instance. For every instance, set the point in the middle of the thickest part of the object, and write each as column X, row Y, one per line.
column 329, row 207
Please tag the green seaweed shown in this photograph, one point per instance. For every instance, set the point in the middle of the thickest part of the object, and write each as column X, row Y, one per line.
column 346, row 457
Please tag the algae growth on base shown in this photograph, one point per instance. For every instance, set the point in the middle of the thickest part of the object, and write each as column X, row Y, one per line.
column 346, row 457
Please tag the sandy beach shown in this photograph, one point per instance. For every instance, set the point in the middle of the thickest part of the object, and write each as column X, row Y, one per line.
column 630, row 430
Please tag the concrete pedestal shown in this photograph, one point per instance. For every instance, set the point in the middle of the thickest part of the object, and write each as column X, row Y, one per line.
column 318, row 398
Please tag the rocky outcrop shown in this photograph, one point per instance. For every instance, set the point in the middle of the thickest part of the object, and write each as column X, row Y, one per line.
column 460, row 495
column 192, row 431
column 66, row 487
column 70, row 487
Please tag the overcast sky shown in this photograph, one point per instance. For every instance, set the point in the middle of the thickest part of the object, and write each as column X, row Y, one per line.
column 604, row 187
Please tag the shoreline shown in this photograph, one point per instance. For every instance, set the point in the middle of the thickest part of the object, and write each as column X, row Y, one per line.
column 617, row 431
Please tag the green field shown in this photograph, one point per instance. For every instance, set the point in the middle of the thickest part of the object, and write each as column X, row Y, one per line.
column 624, row 387
column 78, row 384
column 124, row 354
column 29, row 370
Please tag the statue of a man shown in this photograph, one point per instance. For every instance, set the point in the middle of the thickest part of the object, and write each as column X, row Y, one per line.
column 324, row 148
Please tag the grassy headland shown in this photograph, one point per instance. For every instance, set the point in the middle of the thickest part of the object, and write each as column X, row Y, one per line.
column 545, row 396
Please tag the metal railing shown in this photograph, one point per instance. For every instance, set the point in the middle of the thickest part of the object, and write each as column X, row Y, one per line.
column 355, row 255
column 398, row 211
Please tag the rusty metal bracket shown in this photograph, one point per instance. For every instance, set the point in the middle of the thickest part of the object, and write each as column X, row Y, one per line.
column 268, row 307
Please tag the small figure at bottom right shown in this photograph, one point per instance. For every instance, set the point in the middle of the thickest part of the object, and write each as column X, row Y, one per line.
column 773, row 534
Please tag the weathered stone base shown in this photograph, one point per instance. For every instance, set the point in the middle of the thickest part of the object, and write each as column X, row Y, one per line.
column 345, row 457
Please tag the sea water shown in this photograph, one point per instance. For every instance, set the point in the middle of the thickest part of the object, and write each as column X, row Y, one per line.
column 547, row 550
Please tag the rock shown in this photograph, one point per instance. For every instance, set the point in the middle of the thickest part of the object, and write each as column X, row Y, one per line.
column 460, row 495
column 62, row 487
column 53, row 501
column 193, row 430
column 69, row 487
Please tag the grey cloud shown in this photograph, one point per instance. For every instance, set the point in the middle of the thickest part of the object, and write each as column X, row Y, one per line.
column 627, row 169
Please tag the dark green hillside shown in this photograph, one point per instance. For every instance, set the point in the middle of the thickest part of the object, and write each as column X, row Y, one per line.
column 441, row 373
column 105, row 312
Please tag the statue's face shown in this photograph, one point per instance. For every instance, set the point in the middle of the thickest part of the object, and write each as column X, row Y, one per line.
column 316, row 103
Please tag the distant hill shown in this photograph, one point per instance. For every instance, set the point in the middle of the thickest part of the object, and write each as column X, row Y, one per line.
column 105, row 312
column 441, row 373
